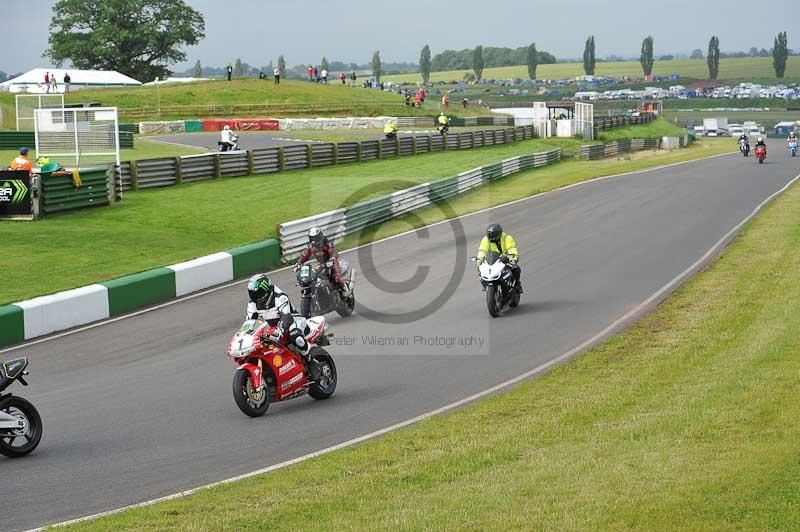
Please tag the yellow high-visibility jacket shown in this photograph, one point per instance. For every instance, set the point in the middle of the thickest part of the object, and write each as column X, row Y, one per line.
column 443, row 120
column 507, row 246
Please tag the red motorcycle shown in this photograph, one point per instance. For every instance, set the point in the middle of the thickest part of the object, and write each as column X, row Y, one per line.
column 761, row 154
column 269, row 372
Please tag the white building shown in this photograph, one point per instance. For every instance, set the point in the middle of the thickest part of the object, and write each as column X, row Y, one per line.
column 32, row 82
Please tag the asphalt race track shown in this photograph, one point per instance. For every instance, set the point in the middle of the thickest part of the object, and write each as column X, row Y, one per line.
column 142, row 407
column 209, row 140
column 253, row 140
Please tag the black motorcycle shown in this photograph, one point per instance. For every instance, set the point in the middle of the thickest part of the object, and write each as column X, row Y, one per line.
column 318, row 295
column 443, row 129
column 20, row 423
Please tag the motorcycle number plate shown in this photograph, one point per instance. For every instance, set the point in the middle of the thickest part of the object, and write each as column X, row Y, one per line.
column 305, row 270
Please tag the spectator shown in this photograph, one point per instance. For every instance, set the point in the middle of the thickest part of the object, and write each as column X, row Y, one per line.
column 47, row 82
column 310, row 73
column 445, row 100
column 261, row 75
column 465, row 102
column 277, row 74
column 353, row 78
column 421, row 96
column 67, row 81
column 417, row 101
column 21, row 162
column 54, row 83
column 316, row 75
column 342, row 78
column 324, row 76
column 230, row 71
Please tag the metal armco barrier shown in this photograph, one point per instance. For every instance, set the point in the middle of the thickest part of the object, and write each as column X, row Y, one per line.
column 149, row 173
column 610, row 149
column 349, row 220
column 60, row 194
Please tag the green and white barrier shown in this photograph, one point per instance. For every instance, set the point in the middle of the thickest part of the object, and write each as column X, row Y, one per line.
column 57, row 312
column 354, row 218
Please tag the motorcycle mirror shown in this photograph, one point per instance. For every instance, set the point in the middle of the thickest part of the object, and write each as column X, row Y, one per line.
column 473, row 259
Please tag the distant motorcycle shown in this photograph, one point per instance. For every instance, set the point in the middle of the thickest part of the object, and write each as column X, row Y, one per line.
column 793, row 148
column 761, row 154
column 20, row 423
column 499, row 282
column 225, row 146
column 318, row 295
column 443, row 129
column 744, row 147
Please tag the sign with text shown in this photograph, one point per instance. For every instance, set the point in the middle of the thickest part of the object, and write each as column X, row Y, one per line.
column 15, row 193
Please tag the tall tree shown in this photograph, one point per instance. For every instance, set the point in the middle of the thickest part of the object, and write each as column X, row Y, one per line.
column 198, row 70
column 646, row 58
column 238, row 71
column 139, row 38
column 712, row 58
column 376, row 66
column 697, row 53
column 282, row 65
column 425, row 63
column 477, row 62
column 323, row 65
column 589, row 57
column 532, row 61
column 780, row 54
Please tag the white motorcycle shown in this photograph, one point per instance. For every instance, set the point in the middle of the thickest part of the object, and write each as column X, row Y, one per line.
column 499, row 283
column 744, row 147
column 232, row 146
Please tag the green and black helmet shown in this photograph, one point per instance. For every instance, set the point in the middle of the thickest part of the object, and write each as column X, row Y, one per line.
column 259, row 288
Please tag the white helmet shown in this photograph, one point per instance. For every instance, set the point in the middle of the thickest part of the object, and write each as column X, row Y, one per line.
column 760, row 139
column 315, row 236
column 226, row 128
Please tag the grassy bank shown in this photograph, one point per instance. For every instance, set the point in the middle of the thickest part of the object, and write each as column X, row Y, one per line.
column 295, row 98
column 734, row 69
column 687, row 421
column 151, row 228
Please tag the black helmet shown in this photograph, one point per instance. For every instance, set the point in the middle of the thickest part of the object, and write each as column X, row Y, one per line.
column 315, row 236
column 259, row 288
column 493, row 233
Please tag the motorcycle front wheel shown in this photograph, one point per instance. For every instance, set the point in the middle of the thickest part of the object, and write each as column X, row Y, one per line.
column 305, row 307
column 324, row 387
column 18, row 443
column 493, row 300
column 252, row 402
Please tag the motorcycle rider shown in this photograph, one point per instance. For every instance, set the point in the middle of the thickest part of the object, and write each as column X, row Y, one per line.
column 498, row 241
column 791, row 138
column 324, row 250
column 761, row 143
column 227, row 138
column 265, row 296
column 443, row 122
column 390, row 130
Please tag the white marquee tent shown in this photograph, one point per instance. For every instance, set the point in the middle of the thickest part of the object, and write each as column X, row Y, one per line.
column 32, row 82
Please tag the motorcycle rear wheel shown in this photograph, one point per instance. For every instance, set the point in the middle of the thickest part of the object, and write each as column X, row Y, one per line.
column 326, row 385
column 32, row 434
column 346, row 306
column 243, row 395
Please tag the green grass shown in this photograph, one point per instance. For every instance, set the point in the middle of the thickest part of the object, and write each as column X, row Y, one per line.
column 687, row 421
column 659, row 128
column 143, row 149
column 739, row 69
column 156, row 227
